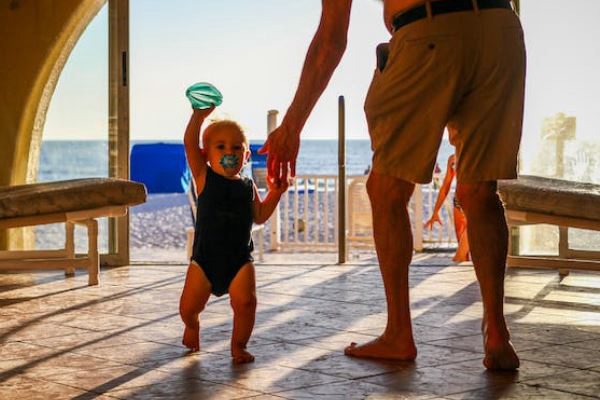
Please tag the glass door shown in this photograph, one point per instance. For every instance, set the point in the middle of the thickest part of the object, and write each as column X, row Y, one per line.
column 86, row 131
column 118, row 121
column 561, row 132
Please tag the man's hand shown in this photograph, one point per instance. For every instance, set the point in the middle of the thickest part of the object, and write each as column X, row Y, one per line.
column 282, row 148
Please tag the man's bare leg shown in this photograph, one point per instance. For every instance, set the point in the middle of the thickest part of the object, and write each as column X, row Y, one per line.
column 488, row 239
column 393, row 241
column 196, row 292
column 242, row 293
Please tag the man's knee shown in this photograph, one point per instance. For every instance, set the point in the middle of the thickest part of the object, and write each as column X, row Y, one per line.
column 478, row 196
column 386, row 190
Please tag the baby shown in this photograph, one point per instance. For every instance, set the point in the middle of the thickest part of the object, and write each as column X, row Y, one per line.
column 228, row 204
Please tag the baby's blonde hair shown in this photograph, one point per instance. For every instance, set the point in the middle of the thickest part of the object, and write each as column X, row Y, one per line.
column 225, row 124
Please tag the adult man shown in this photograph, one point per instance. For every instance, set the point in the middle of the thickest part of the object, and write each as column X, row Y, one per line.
column 455, row 63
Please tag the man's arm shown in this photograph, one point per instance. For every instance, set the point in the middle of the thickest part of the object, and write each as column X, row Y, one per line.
column 324, row 54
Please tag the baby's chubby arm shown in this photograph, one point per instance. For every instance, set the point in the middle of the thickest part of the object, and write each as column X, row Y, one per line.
column 262, row 209
column 193, row 151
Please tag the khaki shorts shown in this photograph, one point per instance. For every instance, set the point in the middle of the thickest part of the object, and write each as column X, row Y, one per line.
column 462, row 70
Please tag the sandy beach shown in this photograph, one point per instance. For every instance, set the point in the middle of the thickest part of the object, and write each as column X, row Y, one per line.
column 158, row 227
column 157, row 230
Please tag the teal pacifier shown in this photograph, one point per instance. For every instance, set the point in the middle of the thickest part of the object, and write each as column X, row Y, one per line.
column 204, row 95
column 229, row 161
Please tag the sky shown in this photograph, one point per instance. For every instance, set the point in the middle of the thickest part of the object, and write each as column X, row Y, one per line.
column 253, row 52
column 563, row 60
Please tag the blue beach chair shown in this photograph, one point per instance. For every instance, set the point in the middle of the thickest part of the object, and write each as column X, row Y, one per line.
column 162, row 167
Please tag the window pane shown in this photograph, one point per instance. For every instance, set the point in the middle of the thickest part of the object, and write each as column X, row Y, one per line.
column 75, row 137
column 562, row 124
column 562, row 102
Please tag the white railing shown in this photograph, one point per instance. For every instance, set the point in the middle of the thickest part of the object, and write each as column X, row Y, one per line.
column 307, row 213
column 307, row 216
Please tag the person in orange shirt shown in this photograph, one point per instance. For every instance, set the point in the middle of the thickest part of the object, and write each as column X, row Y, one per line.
column 460, row 220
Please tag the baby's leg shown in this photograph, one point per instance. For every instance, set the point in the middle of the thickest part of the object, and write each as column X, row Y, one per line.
column 242, row 293
column 196, row 292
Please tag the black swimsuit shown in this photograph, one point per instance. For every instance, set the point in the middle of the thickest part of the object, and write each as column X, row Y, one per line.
column 222, row 238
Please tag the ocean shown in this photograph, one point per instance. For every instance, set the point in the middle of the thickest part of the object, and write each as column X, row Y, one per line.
column 61, row 159
column 161, row 222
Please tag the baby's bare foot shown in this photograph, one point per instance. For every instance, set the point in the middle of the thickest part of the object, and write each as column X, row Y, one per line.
column 241, row 356
column 191, row 338
column 384, row 349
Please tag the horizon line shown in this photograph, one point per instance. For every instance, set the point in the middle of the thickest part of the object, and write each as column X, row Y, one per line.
column 181, row 140
column 176, row 140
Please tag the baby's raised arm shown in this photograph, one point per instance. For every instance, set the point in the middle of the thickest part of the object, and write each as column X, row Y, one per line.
column 193, row 151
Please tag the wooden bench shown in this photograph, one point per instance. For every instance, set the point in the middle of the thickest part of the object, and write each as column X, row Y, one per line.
column 78, row 201
column 567, row 204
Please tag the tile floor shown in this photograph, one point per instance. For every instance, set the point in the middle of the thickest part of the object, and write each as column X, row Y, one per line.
column 60, row 339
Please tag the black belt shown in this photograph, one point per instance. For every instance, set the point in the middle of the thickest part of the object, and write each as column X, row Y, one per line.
column 444, row 7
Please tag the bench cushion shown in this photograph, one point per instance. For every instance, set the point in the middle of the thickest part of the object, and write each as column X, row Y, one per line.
column 551, row 196
column 69, row 195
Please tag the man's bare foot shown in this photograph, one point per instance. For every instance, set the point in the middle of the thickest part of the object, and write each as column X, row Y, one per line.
column 241, row 356
column 381, row 348
column 191, row 338
column 500, row 354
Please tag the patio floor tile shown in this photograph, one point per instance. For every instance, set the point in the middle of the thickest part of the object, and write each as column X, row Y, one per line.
column 121, row 339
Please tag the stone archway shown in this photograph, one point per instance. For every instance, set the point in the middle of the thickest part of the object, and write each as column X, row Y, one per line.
column 43, row 34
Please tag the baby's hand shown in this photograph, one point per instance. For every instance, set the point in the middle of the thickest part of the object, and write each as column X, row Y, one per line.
column 285, row 184
column 203, row 112
column 279, row 187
